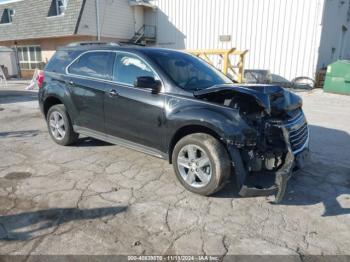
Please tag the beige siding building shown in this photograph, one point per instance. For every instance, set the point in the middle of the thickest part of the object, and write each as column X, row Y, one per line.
column 36, row 28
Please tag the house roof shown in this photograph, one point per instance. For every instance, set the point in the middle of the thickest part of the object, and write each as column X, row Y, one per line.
column 31, row 20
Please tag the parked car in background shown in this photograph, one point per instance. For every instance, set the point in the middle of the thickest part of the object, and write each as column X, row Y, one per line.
column 175, row 106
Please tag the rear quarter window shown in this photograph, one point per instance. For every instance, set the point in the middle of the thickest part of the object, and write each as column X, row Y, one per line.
column 60, row 61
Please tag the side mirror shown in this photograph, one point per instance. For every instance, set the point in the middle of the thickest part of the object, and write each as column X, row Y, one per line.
column 148, row 82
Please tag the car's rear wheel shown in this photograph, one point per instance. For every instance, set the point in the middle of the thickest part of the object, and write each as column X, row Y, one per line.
column 60, row 126
column 201, row 163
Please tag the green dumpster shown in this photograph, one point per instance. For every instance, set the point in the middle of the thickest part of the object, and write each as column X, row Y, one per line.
column 338, row 78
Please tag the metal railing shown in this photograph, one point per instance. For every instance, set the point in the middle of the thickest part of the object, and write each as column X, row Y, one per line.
column 150, row 31
column 145, row 32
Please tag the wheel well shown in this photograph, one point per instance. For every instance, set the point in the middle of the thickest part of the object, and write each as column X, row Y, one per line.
column 49, row 102
column 188, row 130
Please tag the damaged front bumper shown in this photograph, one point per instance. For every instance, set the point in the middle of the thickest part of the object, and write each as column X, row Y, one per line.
column 290, row 163
column 270, row 136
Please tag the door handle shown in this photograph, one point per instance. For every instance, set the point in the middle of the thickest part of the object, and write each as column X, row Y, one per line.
column 113, row 92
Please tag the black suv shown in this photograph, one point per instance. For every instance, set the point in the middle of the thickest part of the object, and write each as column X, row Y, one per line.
column 175, row 106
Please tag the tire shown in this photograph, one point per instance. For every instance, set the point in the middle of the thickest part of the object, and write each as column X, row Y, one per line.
column 69, row 136
column 220, row 164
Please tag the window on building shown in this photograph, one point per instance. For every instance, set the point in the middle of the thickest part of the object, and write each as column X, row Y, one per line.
column 30, row 57
column 128, row 68
column 94, row 64
column 58, row 7
column 7, row 15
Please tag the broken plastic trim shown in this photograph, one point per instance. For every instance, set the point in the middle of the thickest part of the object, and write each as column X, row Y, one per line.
column 285, row 172
column 281, row 176
column 270, row 97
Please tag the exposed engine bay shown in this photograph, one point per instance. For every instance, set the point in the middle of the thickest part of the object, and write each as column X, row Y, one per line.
column 276, row 142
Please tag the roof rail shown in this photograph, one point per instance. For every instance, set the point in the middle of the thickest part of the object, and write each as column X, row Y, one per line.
column 130, row 44
column 88, row 43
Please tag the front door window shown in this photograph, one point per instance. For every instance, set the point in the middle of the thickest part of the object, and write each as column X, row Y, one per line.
column 128, row 68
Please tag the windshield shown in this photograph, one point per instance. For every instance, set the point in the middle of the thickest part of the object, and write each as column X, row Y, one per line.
column 188, row 72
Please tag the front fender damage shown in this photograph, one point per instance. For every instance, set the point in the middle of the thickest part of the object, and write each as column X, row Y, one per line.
column 282, row 175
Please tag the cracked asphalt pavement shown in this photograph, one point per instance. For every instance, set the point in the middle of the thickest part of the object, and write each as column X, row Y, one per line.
column 97, row 198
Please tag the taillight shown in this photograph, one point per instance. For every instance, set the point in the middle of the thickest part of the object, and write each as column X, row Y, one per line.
column 40, row 79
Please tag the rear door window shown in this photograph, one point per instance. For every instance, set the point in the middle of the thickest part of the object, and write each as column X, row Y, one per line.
column 59, row 61
column 94, row 64
column 128, row 68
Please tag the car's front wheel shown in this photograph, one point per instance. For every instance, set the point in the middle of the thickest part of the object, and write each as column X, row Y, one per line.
column 60, row 126
column 201, row 163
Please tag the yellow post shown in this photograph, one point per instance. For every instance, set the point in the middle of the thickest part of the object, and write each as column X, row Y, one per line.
column 240, row 65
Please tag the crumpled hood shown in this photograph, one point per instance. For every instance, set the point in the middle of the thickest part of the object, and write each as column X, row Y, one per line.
column 272, row 98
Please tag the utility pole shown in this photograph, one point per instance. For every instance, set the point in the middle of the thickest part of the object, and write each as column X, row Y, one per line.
column 17, row 61
column 97, row 2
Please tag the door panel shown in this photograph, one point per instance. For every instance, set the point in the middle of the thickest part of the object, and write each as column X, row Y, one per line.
column 134, row 114
column 86, row 80
column 88, row 96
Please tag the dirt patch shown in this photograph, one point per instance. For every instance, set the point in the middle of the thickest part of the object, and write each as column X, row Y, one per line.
column 6, row 203
column 2, row 109
column 18, row 175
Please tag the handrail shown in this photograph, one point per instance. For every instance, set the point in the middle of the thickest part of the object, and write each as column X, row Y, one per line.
column 148, row 31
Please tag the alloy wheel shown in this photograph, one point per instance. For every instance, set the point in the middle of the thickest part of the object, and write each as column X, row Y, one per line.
column 57, row 125
column 194, row 166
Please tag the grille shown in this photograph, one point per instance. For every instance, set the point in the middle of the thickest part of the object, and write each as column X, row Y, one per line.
column 298, row 133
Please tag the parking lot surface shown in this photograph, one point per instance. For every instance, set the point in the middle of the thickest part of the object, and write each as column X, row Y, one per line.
column 97, row 198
